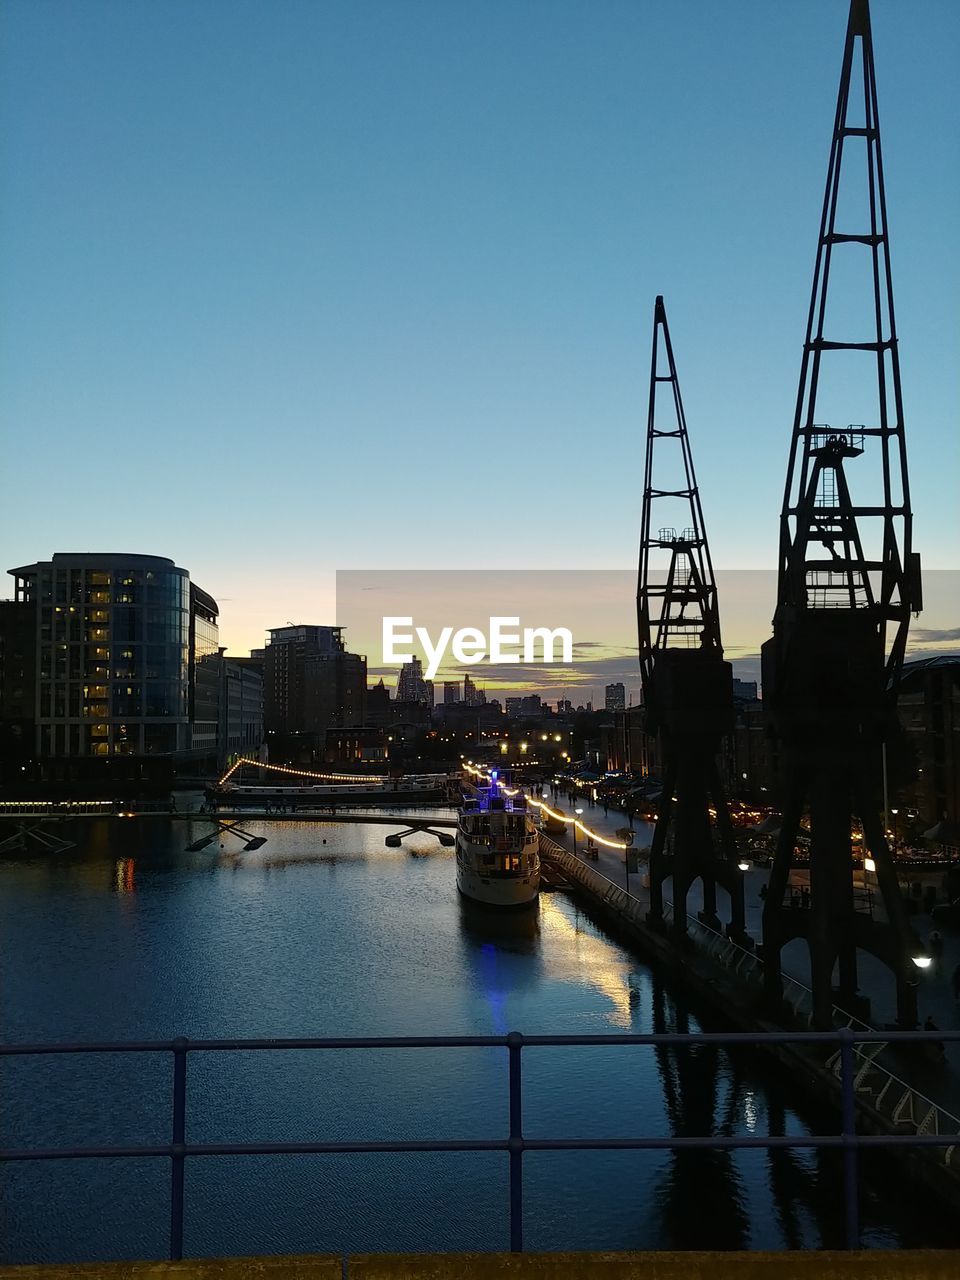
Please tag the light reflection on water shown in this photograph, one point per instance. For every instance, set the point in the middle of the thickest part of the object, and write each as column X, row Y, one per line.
column 129, row 936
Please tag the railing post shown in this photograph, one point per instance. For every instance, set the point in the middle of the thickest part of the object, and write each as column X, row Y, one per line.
column 515, row 1143
column 179, row 1139
column 848, row 1130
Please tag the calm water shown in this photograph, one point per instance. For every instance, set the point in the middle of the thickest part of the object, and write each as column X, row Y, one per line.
column 128, row 936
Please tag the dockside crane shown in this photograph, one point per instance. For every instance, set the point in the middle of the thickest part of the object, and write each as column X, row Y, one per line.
column 848, row 581
column 687, row 685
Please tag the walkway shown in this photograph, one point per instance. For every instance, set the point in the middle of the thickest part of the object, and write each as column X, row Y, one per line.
column 940, row 1083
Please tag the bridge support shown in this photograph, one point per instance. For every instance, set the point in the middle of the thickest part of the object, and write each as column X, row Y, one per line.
column 394, row 840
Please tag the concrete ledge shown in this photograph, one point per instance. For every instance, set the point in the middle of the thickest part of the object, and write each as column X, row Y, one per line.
column 298, row 1267
column 912, row 1264
column 874, row 1265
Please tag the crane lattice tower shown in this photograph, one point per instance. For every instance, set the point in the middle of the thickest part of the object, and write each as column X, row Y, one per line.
column 687, row 685
column 848, row 579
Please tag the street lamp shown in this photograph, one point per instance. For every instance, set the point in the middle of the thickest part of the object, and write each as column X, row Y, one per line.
column 894, row 812
column 577, row 813
column 626, row 835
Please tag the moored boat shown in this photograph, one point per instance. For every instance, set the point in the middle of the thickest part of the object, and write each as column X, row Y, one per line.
column 498, row 848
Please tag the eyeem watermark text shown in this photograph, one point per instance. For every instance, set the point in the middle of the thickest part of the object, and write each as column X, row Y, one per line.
column 470, row 645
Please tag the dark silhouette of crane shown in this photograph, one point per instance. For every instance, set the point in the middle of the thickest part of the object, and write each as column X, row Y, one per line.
column 848, row 581
column 687, row 686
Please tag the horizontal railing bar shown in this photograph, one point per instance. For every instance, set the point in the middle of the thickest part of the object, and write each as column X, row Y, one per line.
column 742, row 1037
column 257, row 1149
column 453, row 1042
column 723, row 1142
column 203, row 1046
column 708, row 1143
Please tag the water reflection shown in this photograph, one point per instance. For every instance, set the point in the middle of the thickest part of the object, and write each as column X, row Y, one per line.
column 123, row 875
column 516, row 931
column 597, row 961
column 806, row 1186
column 705, row 1181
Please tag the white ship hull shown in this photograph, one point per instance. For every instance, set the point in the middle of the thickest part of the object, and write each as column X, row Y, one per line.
column 499, row 873
column 498, row 891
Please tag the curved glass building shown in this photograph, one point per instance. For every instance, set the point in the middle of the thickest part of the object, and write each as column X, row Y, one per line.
column 126, row 656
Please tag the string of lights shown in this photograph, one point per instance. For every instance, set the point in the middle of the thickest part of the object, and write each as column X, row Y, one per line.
column 302, row 773
column 545, row 808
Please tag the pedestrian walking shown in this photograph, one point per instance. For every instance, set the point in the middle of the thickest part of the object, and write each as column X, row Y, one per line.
column 935, row 947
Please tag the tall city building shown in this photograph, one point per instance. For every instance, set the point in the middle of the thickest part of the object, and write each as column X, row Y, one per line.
column 411, row 686
column 473, row 696
column 615, row 697
column 311, row 683
column 451, row 691
column 122, row 644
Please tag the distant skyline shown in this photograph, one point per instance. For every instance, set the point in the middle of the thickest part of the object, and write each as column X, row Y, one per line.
column 317, row 285
column 598, row 607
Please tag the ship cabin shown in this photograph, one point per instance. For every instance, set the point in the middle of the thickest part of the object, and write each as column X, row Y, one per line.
column 499, row 828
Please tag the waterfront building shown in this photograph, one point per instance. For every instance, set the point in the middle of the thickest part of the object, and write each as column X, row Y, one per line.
column 240, row 705
column 745, row 690
column 310, row 681
column 750, row 757
column 378, row 704
column 627, row 746
column 615, row 697
column 928, row 705
column 355, row 746
column 18, row 673
column 123, row 644
column 205, row 675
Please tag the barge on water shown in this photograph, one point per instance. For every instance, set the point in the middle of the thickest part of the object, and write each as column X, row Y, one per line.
column 415, row 790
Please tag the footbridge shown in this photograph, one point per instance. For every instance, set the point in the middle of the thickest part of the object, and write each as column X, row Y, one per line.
column 439, row 827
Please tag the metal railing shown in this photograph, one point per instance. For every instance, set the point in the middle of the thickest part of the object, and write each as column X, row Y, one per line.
column 514, row 1144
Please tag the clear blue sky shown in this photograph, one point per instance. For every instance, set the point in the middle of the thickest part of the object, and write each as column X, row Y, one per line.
column 297, row 286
